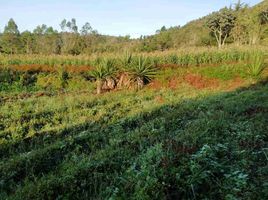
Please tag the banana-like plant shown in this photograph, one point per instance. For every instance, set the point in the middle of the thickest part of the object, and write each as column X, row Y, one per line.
column 141, row 70
column 105, row 69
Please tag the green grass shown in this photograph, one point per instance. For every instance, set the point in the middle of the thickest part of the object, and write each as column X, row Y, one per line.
column 225, row 72
column 195, row 145
column 183, row 143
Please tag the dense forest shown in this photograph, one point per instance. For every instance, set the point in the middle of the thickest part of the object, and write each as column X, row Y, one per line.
column 239, row 24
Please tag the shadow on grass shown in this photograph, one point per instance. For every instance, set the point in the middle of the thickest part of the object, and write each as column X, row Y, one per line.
column 225, row 124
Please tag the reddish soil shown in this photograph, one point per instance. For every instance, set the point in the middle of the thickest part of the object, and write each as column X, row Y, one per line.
column 200, row 82
column 156, row 84
column 174, row 83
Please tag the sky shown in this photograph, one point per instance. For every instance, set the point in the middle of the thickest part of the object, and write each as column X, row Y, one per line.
column 111, row 17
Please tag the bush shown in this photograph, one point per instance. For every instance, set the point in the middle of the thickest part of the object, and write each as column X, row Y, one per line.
column 28, row 79
column 8, row 76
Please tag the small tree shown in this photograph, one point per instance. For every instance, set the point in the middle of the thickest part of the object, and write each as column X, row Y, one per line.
column 10, row 38
column 105, row 69
column 221, row 24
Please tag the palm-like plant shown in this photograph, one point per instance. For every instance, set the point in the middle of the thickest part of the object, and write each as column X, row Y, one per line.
column 105, row 69
column 141, row 70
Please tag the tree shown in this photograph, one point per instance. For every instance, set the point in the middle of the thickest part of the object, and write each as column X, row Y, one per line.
column 221, row 24
column 10, row 39
column 46, row 40
column 255, row 21
column 27, row 40
column 70, row 37
column 163, row 40
column 86, row 29
column 239, row 5
column 63, row 25
column 239, row 32
column 162, row 29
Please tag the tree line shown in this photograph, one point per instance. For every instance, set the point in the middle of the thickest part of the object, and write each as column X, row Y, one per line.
column 239, row 24
column 47, row 40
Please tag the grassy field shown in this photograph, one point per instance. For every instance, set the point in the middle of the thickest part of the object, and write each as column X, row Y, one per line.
column 193, row 132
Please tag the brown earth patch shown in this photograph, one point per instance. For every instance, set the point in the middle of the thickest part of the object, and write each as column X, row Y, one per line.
column 155, row 84
column 174, row 83
column 200, row 82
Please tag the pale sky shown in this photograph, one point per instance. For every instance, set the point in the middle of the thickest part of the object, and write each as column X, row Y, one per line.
column 112, row 17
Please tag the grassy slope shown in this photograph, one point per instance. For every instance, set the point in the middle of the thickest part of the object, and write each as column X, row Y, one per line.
column 174, row 143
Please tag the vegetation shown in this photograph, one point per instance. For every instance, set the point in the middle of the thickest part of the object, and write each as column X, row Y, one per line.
column 104, row 71
column 239, row 24
column 141, row 71
column 152, row 144
column 257, row 65
column 79, row 119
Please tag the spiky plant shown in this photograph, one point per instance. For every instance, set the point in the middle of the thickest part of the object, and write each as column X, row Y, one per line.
column 256, row 65
column 141, row 71
column 126, row 60
column 105, row 69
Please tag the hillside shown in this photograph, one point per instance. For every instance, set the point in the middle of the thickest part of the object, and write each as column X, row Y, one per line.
column 196, row 32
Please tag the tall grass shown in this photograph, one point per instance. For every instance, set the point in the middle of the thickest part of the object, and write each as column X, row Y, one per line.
column 176, row 58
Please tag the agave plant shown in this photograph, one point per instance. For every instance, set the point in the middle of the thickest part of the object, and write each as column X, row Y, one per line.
column 141, row 71
column 105, row 69
column 256, row 65
column 126, row 60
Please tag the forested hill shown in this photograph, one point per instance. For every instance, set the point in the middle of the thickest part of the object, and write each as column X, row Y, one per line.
column 249, row 27
column 240, row 24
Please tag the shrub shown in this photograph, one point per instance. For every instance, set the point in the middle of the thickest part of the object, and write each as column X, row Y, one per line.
column 28, row 79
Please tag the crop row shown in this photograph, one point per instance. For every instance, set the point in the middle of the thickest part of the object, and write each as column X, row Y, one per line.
column 176, row 58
